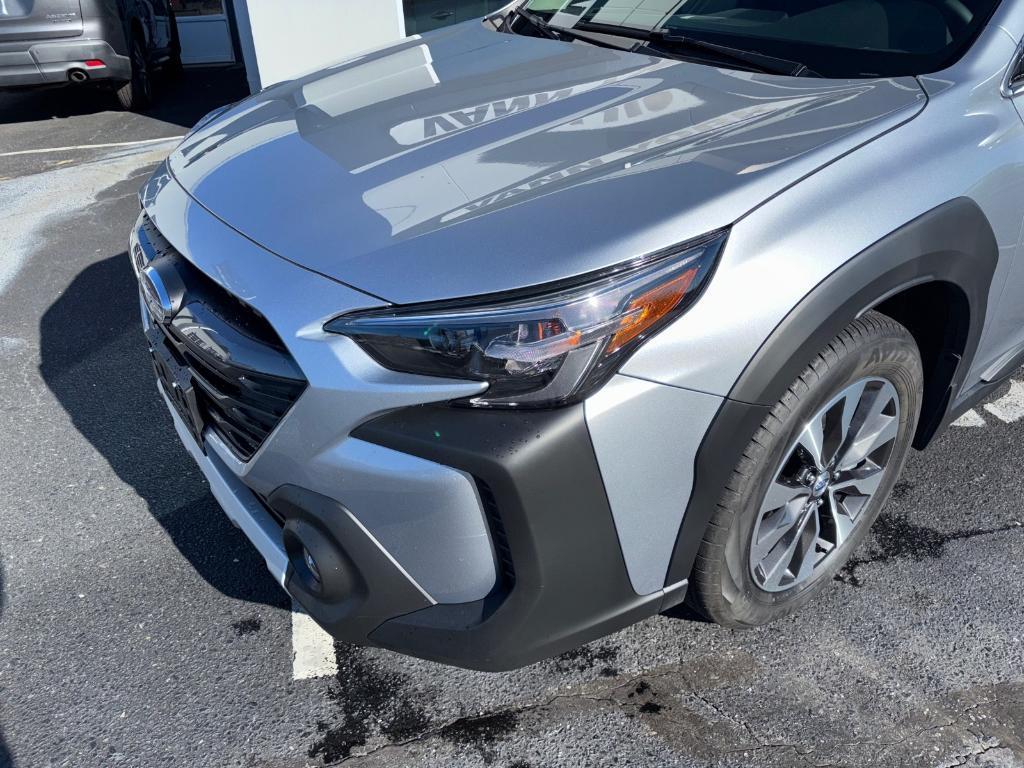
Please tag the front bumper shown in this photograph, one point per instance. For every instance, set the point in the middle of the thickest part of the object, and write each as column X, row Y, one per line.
column 562, row 578
column 50, row 62
column 478, row 538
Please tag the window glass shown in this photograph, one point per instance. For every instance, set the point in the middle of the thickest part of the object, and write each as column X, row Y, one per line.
column 197, row 7
column 425, row 15
column 839, row 38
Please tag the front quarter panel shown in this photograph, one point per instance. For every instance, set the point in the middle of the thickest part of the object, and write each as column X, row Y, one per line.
column 646, row 437
column 966, row 143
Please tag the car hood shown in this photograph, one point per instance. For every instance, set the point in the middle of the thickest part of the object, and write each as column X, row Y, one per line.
column 468, row 161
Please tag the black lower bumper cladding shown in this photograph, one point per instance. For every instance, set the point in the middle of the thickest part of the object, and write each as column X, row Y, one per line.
column 352, row 585
column 570, row 582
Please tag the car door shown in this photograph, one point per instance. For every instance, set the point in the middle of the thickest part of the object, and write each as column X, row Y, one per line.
column 154, row 16
column 39, row 19
column 161, row 10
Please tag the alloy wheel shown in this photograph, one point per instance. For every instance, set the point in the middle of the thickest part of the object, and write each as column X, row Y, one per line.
column 829, row 475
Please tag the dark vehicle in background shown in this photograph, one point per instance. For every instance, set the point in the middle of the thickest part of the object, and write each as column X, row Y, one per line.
column 427, row 15
column 117, row 44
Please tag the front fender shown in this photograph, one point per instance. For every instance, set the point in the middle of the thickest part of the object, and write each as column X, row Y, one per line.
column 953, row 244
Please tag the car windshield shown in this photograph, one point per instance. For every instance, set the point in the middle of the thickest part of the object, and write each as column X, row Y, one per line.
column 841, row 38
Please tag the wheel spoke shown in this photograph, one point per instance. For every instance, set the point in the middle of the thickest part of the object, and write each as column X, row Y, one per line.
column 842, row 416
column 874, row 430
column 884, row 430
column 864, row 482
column 812, row 440
column 776, row 566
column 808, row 547
column 779, row 494
column 851, row 402
column 774, row 526
column 841, row 517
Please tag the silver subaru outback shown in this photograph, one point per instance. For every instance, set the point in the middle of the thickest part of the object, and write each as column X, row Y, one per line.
column 502, row 338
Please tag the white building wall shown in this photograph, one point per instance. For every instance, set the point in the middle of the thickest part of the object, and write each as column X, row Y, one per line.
column 282, row 39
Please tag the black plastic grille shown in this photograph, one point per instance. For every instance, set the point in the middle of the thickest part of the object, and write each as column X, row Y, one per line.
column 243, row 406
column 507, row 572
column 243, row 379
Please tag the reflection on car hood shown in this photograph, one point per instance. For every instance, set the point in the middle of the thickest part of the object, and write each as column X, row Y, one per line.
column 468, row 161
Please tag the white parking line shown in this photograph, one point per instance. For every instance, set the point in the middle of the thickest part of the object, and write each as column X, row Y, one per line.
column 110, row 145
column 970, row 419
column 312, row 648
column 1010, row 407
column 29, row 204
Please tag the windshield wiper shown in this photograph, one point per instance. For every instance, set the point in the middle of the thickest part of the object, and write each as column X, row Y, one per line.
column 539, row 24
column 560, row 33
column 664, row 41
column 760, row 61
column 668, row 42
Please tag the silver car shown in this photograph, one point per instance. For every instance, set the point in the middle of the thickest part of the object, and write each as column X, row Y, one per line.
column 504, row 337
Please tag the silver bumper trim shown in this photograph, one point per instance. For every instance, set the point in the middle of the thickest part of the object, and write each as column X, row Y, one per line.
column 237, row 501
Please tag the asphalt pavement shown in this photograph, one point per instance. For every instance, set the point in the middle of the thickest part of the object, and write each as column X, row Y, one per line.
column 139, row 628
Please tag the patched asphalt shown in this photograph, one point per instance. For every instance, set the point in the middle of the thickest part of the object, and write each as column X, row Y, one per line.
column 139, row 628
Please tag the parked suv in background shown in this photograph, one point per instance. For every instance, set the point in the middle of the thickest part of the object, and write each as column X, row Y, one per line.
column 112, row 43
column 507, row 336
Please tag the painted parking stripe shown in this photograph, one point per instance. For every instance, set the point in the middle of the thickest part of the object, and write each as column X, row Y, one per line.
column 312, row 648
column 970, row 419
column 1010, row 407
column 79, row 147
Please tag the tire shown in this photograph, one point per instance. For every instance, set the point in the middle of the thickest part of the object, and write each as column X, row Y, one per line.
column 731, row 584
column 137, row 94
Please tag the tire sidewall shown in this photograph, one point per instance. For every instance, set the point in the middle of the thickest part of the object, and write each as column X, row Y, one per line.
column 891, row 358
column 137, row 93
column 142, row 83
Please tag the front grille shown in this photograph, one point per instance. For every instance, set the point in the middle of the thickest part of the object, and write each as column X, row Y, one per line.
column 243, row 378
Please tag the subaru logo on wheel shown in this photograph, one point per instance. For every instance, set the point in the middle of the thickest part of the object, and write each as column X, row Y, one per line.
column 156, row 295
column 821, row 484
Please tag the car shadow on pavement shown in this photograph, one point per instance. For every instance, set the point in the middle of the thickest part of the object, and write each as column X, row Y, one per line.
column 180, row 101
column 93, row 357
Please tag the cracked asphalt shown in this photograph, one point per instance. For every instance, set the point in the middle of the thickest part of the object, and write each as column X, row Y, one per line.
column 139, row 628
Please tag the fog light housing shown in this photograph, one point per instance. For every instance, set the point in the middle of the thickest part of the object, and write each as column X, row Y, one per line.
column 318, row 565
column 310, row 561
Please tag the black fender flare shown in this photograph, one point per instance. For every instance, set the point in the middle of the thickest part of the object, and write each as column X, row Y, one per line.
column 953, row 244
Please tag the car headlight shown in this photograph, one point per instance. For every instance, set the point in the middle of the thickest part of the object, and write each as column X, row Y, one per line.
column 552, row 346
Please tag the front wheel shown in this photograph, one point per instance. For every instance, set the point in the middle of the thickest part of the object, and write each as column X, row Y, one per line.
column 813, row 478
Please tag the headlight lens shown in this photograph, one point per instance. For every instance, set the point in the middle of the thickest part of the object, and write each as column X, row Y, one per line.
column 551, row 347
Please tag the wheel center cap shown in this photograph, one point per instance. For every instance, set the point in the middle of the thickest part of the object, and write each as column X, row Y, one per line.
column 820, row 484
